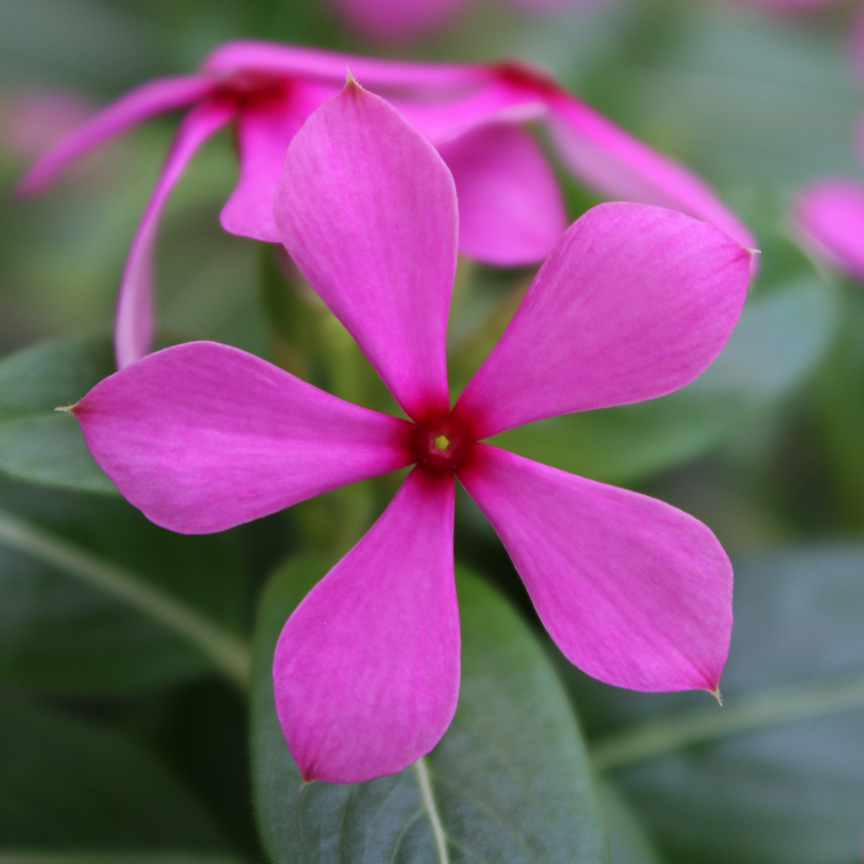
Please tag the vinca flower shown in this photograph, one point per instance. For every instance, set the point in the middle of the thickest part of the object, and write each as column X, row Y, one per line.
column 829, row 214
column 511, row 209
column 633, row 302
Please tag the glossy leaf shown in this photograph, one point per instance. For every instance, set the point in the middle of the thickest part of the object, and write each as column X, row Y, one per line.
column 62, row 636
column 787, row 785
column 629, row 842
column 778, row 341
column 68, row 784
column 508, row 782
column 38, row 443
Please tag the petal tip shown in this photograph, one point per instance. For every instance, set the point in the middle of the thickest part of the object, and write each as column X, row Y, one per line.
column 715, row 692
column 351, row 83
column 69, row 409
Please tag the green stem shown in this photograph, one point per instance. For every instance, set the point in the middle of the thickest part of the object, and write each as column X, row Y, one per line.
column 224, row 650
column 667, row 734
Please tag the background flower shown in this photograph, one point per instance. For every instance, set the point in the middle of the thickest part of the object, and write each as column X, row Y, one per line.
column 511, row 210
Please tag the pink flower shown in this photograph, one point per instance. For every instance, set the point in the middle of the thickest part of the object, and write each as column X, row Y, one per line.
column 396, row 19
column 633, row 302
column 511, row 211
column 829, row 214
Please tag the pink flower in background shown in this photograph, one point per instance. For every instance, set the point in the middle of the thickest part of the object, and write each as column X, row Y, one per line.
column 633, row 302
column 397, row 20
column 32, row 121
column 510, row 207
column 829, row 215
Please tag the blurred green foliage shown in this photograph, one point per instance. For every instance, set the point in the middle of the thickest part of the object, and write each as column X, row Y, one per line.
column 117, row 734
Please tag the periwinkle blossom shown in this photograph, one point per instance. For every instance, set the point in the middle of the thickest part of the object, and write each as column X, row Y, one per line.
column 829, row 214
column 633, row 302
column 511, row 208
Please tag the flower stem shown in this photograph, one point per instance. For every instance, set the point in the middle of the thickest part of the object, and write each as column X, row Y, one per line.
column 676, row 731
column 229, row 654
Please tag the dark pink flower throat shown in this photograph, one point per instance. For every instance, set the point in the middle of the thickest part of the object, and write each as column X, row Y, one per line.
column 442, row 443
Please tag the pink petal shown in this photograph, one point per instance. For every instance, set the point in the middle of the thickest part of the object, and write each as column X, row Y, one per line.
column 265, row 129
column 366, row 671
column 367, row 209
column 330, row 66
column 510, row 207
column 133, row 322
column 634, row 302
column 201, row 437
column 154, row 97
column 492, row 103
column 621, row 166
column 634, row 592
column 831, row 216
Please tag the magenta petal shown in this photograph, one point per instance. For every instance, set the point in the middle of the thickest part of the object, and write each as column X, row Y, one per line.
column 621, row 166
column 133, row 321
column 330, row 66
column 831, row 216
column 367, row 209
column 510, row 207
column 491, row 103
column 265, row 130
column 634, row 592
column 366, row 671
column 201, row 437
column 396, row 19
column 634, row 302
column 154, row 97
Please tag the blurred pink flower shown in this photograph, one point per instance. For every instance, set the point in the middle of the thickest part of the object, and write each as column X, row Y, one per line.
column 829, row 215
column 394, row 20
column 511, row 209
column 32, row 121
column 633, row 302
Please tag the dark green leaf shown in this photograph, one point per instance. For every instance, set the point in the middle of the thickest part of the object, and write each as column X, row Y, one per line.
column 68, row 784
column 509, row 779
column 38, row 443
column 60, row 635
column 778, row 341
column 628, row 841
column 791, row 788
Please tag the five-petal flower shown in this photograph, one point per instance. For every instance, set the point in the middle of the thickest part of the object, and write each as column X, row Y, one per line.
column 511, row 209
column 633, row 302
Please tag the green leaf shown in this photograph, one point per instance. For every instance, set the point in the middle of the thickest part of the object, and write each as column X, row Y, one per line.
column 508, row 782
column 59, row 636
column 96, row 600
column 777, row 775
column 778, row 341
column 38, row 443
column 628, row 841
column 65, row 783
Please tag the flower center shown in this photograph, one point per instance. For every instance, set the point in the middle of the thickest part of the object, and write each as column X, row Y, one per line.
column 442, row 443
column 249, row 86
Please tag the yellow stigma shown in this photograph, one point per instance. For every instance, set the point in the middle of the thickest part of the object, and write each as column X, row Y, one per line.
column 442, row 442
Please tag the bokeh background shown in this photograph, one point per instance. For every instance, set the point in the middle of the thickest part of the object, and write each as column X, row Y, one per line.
column 114, row 735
